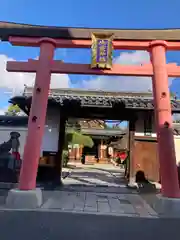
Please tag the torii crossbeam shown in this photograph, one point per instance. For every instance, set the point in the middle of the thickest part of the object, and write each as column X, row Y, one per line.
column 145, row 70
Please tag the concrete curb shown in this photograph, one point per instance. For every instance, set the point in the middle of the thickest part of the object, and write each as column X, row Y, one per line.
column 77, row 212
column 8, row 186
column 31, row 199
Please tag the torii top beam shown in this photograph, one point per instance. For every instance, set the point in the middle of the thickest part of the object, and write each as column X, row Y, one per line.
column 32, row 35
column 8, row 29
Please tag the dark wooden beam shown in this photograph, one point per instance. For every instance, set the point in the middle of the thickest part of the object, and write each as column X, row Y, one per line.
column 130, row 165
column 58, row 164
column 99, row 113
column 8, row 29
column 148, row 120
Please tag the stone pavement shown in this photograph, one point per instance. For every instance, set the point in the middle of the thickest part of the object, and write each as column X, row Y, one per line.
column 97, row 189
column 3, row 195
column 99, row 203
column 105, row 175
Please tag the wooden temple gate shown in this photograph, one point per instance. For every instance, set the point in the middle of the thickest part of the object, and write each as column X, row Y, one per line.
column 48, row 39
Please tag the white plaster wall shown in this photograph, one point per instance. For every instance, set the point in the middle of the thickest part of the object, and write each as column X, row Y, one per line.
column 51, row 131
column 139, row 126
column 50, row 138
column 177, row 148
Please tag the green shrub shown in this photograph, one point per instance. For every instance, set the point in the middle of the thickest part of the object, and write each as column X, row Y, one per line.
column 65, row 158
column 118, row 160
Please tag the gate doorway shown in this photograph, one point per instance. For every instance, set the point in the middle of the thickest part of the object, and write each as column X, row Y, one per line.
column 49, row 38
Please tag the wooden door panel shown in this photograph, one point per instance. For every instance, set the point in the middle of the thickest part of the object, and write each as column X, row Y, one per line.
column 145, row 159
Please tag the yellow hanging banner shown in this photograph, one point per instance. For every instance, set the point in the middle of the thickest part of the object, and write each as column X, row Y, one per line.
column 102, row 48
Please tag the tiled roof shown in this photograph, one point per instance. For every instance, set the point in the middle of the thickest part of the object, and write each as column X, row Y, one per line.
column 121, row 143
column 103, row 132
column 136, row 102
column 97, row 98
column 110, row 101
column 14, row 121
column 176, row 128
column 88, row 92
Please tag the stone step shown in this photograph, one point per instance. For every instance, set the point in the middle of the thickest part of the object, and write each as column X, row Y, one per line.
column 91, row 161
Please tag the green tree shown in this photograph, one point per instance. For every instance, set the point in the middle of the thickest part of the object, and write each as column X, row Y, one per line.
column 78, row 138
column 13, row 110
column 73, row 137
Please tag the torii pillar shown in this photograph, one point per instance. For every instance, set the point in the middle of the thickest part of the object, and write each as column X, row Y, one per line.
column 27, row 183
column 166, row 149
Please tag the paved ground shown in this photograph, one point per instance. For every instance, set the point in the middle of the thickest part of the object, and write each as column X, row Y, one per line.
column 67, row 226
column 98, row 189
column 3, row 194
column 95, row 175
column 99, row 203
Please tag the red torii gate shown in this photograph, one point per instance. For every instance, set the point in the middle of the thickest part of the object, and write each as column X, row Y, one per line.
column 158, row 70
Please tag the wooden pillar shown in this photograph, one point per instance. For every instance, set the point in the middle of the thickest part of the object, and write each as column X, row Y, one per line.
column 80, row 151
column 37, row 117
column 101, row 150
column 98, row 151
column 131, row 166
column 166, row 149
column 61, row 141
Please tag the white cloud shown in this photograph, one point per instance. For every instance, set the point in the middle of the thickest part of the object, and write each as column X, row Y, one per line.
column 3, row 110
column 16, row 81
column 121, row 83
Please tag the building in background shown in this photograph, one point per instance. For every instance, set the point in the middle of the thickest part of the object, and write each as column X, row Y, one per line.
column 136, row 108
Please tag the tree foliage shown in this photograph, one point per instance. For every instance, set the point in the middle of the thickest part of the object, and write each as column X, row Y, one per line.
column 79, row 138
column 13, row 110
column 73, row 137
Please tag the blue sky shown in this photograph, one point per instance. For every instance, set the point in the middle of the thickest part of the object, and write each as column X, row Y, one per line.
column 100, row 14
